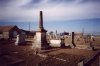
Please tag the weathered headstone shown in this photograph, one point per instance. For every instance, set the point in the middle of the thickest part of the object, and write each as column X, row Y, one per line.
column 20, row 39
column 92, row 38
column 72, row 45
column 90, row 46
column 57, row 41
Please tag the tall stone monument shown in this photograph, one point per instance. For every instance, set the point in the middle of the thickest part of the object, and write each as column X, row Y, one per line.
column 41, row 41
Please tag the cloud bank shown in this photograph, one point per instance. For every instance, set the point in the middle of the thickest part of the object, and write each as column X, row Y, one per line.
column 54, row 10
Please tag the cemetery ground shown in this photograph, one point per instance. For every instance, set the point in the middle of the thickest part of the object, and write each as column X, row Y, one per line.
column 12, row 55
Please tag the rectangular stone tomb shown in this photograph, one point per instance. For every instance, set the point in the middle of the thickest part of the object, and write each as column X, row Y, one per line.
column 56, row 43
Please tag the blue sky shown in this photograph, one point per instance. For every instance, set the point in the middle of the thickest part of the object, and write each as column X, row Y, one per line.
column 63, row 15
column 89, row 25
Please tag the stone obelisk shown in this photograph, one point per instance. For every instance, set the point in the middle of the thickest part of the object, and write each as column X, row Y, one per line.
column 41, row 41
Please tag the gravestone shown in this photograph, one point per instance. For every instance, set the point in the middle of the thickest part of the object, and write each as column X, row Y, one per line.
column 72, row 45
column 90, row 46
column 57, row 41
column 20, row 39
column 92, row 38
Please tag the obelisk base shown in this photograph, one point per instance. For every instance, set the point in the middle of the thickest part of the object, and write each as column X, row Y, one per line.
column 41, row 41
column 42, row 46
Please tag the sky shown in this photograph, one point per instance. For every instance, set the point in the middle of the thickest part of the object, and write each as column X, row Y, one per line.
column 61, row 15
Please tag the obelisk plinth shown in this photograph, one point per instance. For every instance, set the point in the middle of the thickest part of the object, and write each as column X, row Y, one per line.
column 41, row 41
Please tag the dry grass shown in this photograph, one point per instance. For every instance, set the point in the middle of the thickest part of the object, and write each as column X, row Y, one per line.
column 26, row 53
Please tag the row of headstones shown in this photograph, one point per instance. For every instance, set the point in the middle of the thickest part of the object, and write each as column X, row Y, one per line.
column 58, row 40
column 59, row 36
column 89, row 46
column 21, row 40
column 55, row 36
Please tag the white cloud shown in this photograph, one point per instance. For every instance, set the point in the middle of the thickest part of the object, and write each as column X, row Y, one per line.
column 52, row 12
